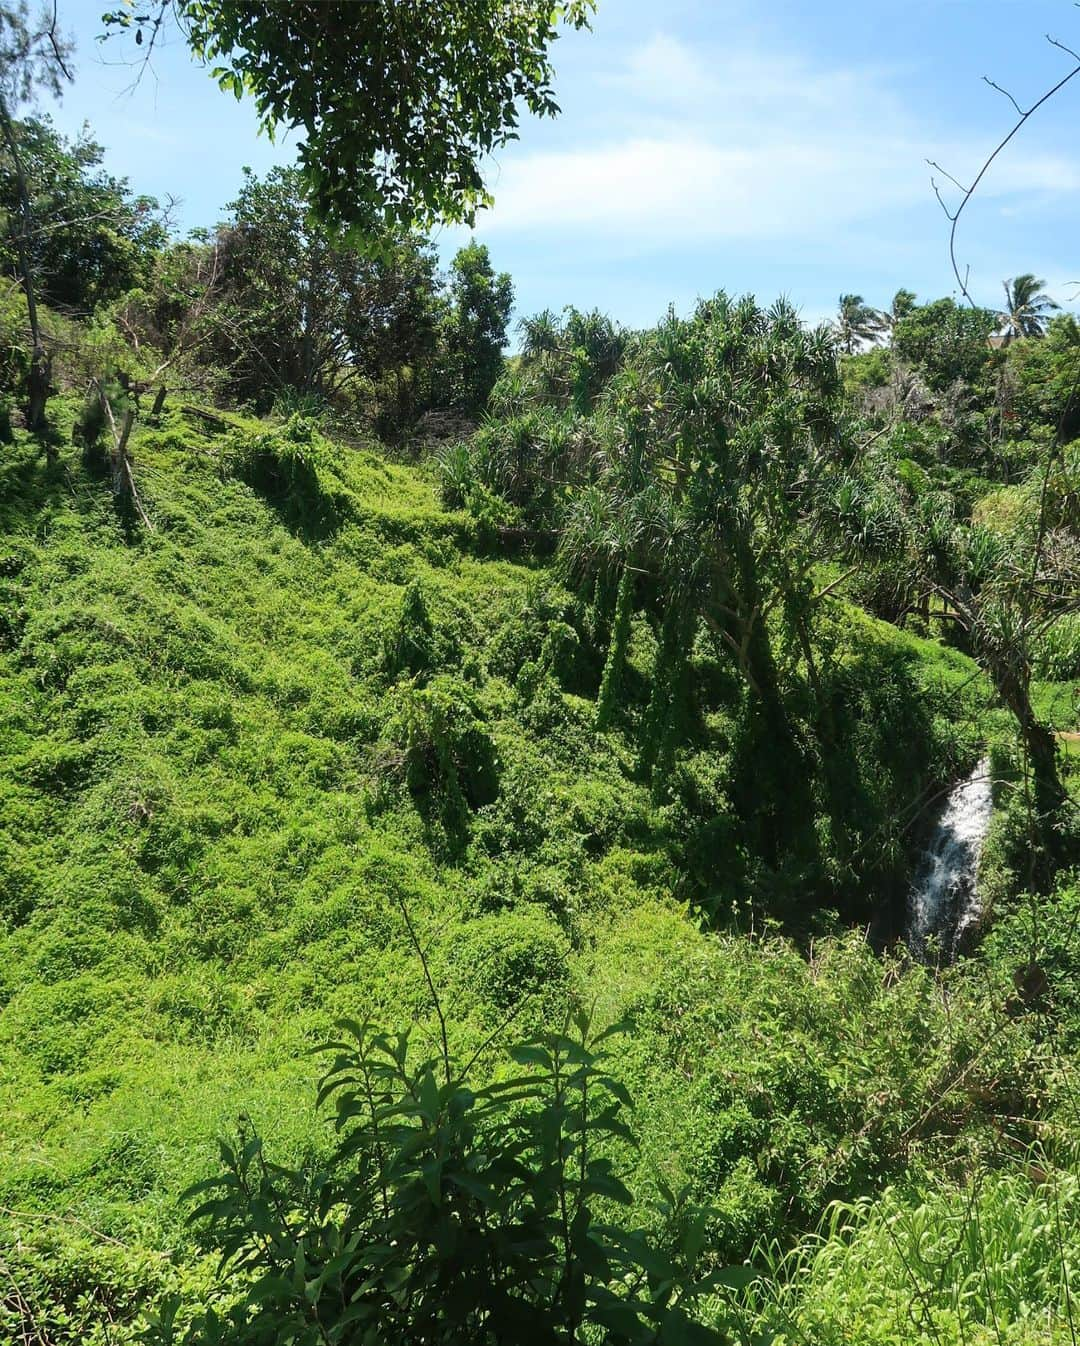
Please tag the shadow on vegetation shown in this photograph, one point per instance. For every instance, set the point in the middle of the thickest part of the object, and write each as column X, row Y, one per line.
column 299, row 502
column 32, row 483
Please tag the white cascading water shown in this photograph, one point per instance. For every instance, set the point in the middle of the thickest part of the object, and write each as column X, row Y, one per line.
column 944, row 902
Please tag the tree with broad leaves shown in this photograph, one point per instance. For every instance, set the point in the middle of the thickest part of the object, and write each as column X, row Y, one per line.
column 301, row 310
column 456, row 1212
column 946, row 342
column 92, row 240
column 399, row 100
column 475, row 328
column 34, row 56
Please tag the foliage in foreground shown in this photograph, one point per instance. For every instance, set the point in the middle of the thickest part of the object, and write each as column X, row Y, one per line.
column 397, row 116
column 453, row 1213
column 237, row 743
column 996, row 1261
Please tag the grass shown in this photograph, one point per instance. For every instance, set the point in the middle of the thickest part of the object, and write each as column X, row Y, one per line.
column 995, row 1263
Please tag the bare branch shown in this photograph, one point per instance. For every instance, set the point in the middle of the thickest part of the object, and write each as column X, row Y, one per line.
column 144, row 62
column 1062, row 47
column 1019, row 110
column 944, row 173
column 969, row 192
column 57, row 46
column 941, row 199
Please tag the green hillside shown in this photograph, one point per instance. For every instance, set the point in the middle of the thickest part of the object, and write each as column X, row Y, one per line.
column 515, row 830
column 225, row 775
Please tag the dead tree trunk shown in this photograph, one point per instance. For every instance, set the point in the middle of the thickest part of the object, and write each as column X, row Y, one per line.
column 123, row 471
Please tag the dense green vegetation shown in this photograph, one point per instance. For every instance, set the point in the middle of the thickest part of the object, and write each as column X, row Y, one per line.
column 458, row 811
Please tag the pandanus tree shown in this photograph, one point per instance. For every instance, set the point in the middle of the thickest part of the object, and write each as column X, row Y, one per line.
column 570, row 360
column 1027, row 308
column 716, row 433
column 1007, row 586
column 1002, row 585
column 540, row 334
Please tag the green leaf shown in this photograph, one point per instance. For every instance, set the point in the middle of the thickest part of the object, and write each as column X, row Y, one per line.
column 532, row 1054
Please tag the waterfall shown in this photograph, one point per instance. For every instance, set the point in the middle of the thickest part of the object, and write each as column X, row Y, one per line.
column 943, row 904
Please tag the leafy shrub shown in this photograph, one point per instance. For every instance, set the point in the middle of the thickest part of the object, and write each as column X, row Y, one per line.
column 457, row 473
column 68, row 1285
column 89, row 430
column 292, row 402
column 464, row 483
column 411, row 645
column 452, row 1213
column 506, row 957
column 1033, row 946
column 804, row 1083
column 1056, row 656
column 14, row 348
column 449, row 757
column 493, row 515
column 286, row 459
column 544, row 633
column 989, row 1265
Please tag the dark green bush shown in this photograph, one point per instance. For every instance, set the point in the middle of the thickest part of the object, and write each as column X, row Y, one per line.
column 284, row 460
column 410, row 646
column 68, row 1285
column 457, row 473
column 89, row 430
column 450, row 762
column 453, row 1213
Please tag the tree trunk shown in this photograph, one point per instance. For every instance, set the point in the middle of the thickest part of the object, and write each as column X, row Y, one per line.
column 752, row 634
column 675, row 633
column 782, row 783
column 40, row 363
column 39, row 380
column 121, row 465
column 1040, row 746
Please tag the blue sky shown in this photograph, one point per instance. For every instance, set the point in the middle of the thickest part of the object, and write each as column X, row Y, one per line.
column 772, row 146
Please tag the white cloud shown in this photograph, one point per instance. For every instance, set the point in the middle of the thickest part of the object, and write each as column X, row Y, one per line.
column 739, row 145
column 692, row 188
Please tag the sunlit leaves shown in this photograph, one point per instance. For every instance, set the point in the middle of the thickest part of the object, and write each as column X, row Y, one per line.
column 399, row 102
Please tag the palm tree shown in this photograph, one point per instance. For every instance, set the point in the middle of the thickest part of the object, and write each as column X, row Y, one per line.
column 1026, row 308
column 856, row 322
column 903, row 303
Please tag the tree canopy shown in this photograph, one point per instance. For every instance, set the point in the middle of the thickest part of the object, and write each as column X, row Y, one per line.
column 90, row 239
column 399, row 100
column 1027, row 308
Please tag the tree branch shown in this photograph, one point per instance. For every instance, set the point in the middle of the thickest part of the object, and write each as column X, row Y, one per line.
column 969, row 192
